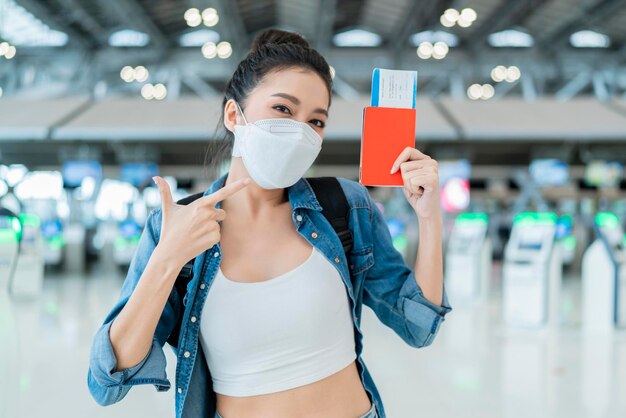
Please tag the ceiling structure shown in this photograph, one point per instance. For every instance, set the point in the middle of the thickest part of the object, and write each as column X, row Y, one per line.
column 88, row 64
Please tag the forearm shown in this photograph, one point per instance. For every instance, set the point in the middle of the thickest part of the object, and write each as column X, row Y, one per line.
column 133, row 329
column 429, row 260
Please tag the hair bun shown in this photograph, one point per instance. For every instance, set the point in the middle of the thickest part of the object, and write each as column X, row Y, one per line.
column 277, row 37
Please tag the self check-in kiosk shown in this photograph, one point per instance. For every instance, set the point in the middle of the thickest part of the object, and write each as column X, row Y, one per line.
column 126, row 242
column 53, row 241
column 468, row 258
column 604, row 277
column 27, row 278
column 10, row 235
column 532, row 272
column 10, row 357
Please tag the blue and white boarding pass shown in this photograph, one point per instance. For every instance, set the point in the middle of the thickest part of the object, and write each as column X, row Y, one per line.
column 394, row 88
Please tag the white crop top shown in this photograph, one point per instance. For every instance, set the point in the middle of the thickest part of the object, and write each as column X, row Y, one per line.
column 277, row 334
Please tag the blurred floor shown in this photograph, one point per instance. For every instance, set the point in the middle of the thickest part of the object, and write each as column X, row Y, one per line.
column 475, row 368
column 55, row 335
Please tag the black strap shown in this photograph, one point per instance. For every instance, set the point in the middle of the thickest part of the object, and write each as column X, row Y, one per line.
column 334, row 207
column 184, row 277
column 187, row 200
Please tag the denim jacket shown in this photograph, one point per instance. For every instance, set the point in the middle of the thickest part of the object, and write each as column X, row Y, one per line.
column 374, row 273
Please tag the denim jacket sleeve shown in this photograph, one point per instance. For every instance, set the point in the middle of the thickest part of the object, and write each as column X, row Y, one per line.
column 106, row 385
column 393, row 294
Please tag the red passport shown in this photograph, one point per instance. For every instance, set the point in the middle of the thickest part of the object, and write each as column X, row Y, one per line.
column 385, row 133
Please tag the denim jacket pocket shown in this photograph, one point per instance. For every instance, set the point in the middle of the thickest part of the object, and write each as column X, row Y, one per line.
column 360, row 260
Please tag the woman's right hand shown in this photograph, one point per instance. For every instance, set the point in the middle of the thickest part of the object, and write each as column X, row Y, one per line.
column 188, row 230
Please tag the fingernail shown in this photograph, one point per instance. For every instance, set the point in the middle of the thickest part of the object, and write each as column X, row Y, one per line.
column 246, row 180
column 154, row 180
column 392, row 170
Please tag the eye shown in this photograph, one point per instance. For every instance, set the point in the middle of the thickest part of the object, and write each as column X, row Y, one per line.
column 282, row 109
column 318, row 123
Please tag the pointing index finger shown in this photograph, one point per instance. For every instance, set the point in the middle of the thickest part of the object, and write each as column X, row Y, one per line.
column 225, row 192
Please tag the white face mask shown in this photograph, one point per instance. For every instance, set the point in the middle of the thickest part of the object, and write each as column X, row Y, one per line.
column 276, row 152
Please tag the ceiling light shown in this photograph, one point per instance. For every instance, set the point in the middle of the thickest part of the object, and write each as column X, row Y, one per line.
column 198, row 38
column 445, row 22
column 209, row 50
column 212, row 22
column 451, row 15
column 488, row 92
column 510, row 38
column 463, row 23
column 209, row 13
column 440, row 50
column 4, row 47
column 589, row 39
column 512, row 74
column 10, row 52
column 192, row 17
column 141, row 73
column 22, row 28
column 147, row 91
column 468, row 14
column 478, row 91
column 425, row 50
column 464, row 19
column 357, row 38
column 434, row 36
column 127, row 74
column 191, row 13
column 160, row 91
column 224, row 49
column 194, row 22
column 498, row 74
column 129, row 38
column 475, row 91
column 210, row 17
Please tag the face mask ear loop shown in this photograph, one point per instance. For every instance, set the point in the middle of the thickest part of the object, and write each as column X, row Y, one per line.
column 241, row 112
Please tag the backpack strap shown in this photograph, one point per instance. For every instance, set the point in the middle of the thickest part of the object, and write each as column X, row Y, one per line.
column 335, row 207
column 188, row 199
column 184, row 277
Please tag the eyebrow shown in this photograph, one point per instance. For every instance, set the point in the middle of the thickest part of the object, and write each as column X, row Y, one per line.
column 297, row 102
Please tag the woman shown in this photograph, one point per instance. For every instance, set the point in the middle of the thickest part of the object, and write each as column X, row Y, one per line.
column 278, row 334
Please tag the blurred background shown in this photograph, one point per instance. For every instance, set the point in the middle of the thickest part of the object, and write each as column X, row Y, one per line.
column 522, row 102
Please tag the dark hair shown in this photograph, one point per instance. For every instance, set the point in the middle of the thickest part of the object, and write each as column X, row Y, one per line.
column 271, row 50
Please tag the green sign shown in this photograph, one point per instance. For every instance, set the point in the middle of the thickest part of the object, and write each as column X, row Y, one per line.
column 56, row 242
column 17, row 227
column 472, row 218
column 535, row 218
column 8, row 236
column 607, row 220
column 400, row 242
column 566, row 219
column 121, row 243
column 29, row 219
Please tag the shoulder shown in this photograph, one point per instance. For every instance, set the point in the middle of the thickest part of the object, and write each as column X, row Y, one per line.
column 356, row 194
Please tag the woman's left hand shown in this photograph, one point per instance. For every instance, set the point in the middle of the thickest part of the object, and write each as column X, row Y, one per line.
column 421, row 182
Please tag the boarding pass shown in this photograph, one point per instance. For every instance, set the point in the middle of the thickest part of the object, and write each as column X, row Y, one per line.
column 394, row 88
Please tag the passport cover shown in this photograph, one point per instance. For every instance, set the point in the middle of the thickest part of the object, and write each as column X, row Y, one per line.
column 385, row 133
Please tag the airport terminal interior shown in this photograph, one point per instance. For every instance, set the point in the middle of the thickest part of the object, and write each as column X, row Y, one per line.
column 521, row 102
